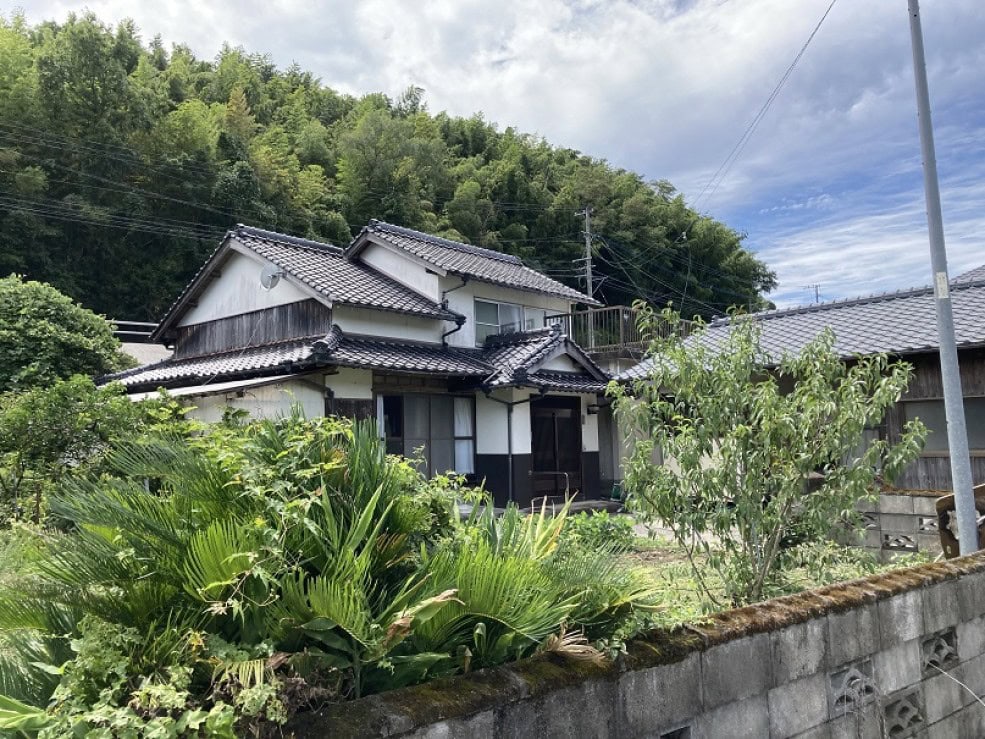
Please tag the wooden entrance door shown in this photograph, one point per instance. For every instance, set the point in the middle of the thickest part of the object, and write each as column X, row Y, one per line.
column 555, row 434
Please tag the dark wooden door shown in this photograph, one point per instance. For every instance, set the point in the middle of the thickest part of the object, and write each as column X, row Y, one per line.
column 555, row 433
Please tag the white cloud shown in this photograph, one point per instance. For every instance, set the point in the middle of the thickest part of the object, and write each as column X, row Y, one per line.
column 666, row 87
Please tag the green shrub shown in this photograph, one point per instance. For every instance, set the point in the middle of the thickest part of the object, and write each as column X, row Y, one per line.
column 599, row 531
column 253, row 569
column 45, row 336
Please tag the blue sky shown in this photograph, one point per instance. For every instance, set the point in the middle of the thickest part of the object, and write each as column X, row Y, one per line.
column 829, row 188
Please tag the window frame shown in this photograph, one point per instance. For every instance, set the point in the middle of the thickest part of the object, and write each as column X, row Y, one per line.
column 380, row 400
column 945, row 450
column 520, row 324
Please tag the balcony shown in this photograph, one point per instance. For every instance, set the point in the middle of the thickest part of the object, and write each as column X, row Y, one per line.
column 610, row 331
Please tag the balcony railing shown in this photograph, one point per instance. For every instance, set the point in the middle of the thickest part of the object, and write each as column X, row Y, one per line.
column 610, row 329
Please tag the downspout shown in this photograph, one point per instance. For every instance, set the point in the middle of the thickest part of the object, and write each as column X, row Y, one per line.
column 459, row 320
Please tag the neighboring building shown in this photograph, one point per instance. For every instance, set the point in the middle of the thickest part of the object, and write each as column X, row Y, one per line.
column 449, row 347
column 902, row 324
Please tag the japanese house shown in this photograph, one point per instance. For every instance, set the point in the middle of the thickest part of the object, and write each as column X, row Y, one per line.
column 455, row 350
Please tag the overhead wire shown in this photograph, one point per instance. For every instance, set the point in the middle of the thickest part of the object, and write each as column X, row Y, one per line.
column 716, row 180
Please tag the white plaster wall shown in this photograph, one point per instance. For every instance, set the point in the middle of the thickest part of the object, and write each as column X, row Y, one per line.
column 562, row 363
column 402, row 269
column 491, row 423
column 351, row 384
column 238, row 291
column 462, row 300
column 267, row 401
column 369, row 322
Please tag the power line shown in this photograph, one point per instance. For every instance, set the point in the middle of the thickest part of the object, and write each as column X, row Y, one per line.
column 723, row 170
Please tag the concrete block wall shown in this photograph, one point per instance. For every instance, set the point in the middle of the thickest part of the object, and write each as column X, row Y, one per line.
column 900, row 523
column 895, row 655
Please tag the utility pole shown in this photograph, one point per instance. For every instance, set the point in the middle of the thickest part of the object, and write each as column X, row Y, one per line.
column 589, row 283
column 957, row 435
column 587, row 212
column 816, row 287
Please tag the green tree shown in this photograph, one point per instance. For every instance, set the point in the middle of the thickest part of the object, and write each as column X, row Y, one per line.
column 741, row 433
column 45, row 336
column 48, row 433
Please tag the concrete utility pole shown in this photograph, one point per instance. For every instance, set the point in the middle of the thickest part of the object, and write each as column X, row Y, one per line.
column 589, row 283
column 957, row 435
column 589, row 287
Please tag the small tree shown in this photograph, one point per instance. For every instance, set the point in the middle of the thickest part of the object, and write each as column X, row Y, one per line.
column 741, row 435
column 49, row 433
column 45, row 336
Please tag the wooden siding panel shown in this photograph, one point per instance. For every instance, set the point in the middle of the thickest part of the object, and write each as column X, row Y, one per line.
column 934, row 473
column 926, row 380
column 291, row 321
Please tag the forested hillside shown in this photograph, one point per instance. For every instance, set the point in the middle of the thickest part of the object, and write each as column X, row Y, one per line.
column 123, row 162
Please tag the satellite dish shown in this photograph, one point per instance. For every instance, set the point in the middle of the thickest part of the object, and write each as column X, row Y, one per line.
column 270, row 276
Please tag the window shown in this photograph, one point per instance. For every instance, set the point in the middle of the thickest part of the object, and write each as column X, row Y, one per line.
column 496, row 318
column 437, row 429
column 931, row 412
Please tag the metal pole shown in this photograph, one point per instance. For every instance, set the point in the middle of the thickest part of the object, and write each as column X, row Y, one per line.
column 957, row 435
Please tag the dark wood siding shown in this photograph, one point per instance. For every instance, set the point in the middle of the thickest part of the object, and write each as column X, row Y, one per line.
column 933, row 472
column 290, row 321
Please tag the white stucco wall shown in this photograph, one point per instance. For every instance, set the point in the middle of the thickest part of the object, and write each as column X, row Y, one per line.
column 239, row 291
column 351, row 384
column 402, row 269
column 491, row 423
column 462, row 300
column 562, row 363
column 370, row 322
column 267, row 401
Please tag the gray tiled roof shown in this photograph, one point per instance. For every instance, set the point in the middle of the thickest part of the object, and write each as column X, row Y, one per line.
column 576, row 382
column 515, row 358
column 509, row 361
column 477, row 263
column 323, row 268
column 252, row 361
column 399, row 356
column 972, row 275
column 893, row 323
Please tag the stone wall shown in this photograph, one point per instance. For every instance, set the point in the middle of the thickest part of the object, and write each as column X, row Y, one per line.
column 901, row 523
column 896, row 655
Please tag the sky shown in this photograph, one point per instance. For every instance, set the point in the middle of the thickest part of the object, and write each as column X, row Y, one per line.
column 828, row 188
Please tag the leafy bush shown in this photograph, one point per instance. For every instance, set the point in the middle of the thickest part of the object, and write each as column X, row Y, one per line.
column 745, row 432
column 599, row 531
column 45, row 336
column 50, row 434
column 267, row 566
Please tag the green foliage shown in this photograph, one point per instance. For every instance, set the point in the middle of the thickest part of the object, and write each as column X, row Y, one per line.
column 599, row 531
column 51, row 433
column 45, row 336
column 127, row 158
column 237, row 575
column 742, row 438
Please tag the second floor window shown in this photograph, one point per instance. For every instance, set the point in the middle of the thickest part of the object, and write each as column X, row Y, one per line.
column 496, row 318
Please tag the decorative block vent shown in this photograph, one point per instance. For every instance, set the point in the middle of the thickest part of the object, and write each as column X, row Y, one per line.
column 903, row 714
column 682, row 733
column 870, row 521
column 899, row 542
column 939, row 652
column 852, row 687
column 927, row 524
